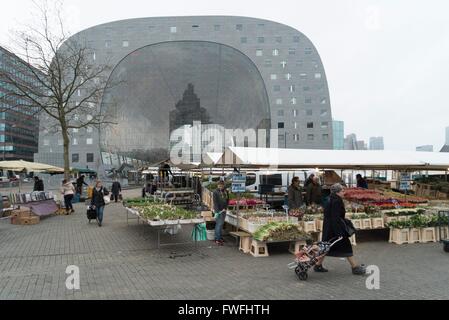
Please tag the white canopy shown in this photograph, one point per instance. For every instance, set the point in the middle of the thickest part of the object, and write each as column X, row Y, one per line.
column 332, row 159
column 20, row 165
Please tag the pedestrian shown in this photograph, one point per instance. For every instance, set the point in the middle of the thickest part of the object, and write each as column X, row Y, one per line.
column 361, row 182
column 98, row 202
column 38, row 184
column 334, row 227
column 221, row 200
column 79, row 184
column 294, row 195
column 309, row 180
column 314, row 192
column 67, row 190
column 116, row 189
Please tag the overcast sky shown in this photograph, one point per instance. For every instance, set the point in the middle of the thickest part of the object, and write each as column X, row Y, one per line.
column 387, row 62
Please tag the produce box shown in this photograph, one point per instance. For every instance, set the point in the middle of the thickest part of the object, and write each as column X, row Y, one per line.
column 22, row 212
column 25, row 220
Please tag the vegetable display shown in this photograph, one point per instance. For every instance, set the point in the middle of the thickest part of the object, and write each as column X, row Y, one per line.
column 279, row 231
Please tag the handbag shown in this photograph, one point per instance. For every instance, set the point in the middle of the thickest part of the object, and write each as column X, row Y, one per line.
column 348, row 227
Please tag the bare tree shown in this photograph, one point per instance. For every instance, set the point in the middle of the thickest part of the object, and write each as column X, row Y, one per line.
column 66, row 87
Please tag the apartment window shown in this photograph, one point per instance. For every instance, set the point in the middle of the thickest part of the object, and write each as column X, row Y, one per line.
column 275, row 52
column 125, row 43
column 288, row 76
column 259, row 52
column 46, row 142
column 280, row 113
column 79, row 94
column 278, row 101
column 243, row 40
column 323, row 112
column 295, row 125
column 107, row 44
column 291, row 51
column 295, row 112
column 315, row 64
column 292, row 88
column 308, row 50
column 303, row 76
column 74, row 142
column 273, row 76
column 76, row 117
column 75, row 130
column 60, row 142
column 306, row 88
column 89, row 117
column 173, row 29
column 89, row 157
column 89, row 129
column 296, row 137
column 217, row 27
column 239, row 27
column 323, row 100
column 89, row 141
column 75, row 157
column 296, row 39
column 309, row 125
column 309, row 112
column 280, row 125
column 310, row 137
column 324, row 125
column 276, row 88
column 283, row 64
column 195, row 27
column 308, row 100
column 260, row 40
column 325, row 136
column 278, row 39
column 317, row 75
column 293, row 101
column 94, row 56
column 268, row 63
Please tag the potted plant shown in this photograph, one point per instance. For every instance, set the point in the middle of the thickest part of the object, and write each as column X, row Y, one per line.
column 428, row 231
column 399, row 232
column 377, row 222
column 308, row 223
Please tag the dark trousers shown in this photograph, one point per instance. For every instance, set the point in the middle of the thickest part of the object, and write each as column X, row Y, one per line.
column 68, row 202
column 114, row 196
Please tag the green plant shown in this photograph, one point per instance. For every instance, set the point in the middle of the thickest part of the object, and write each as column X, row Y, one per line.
column 399, row 224
column 359, row 216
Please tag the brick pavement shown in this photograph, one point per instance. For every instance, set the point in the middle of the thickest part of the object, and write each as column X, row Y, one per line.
column 117, row 262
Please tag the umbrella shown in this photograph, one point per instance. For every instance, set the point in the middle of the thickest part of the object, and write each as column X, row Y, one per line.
column 21, row 165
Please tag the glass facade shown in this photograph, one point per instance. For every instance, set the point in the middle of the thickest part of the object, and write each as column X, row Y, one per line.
column 168, row 85
column 338, row 134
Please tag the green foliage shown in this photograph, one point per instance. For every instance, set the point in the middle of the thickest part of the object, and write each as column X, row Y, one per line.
column 279, row 231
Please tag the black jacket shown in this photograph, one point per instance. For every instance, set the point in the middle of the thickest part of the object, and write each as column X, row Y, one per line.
column 116, row 187
column 294, row 197
column 313, row 193
column 97, row 197
column 334, row 213
column 38, row 185
column 221, row 199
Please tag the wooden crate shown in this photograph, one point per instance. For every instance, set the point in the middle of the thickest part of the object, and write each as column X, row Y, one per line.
column 428, row 235
column 388, row 219
column 414, row 235
column 377, row 223
column 259, row 249
column 399, row 236
column 357, row 223
column 366, row 224
column 309, row 226
column 319, row 225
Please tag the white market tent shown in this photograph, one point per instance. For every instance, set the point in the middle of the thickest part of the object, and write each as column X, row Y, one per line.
column 330, row 159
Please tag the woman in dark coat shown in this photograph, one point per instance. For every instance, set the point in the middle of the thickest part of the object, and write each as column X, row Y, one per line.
column 98, row 202
column 334, row 227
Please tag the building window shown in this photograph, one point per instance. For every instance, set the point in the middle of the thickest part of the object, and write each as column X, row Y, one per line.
column 295, row 112
column 308, row 50
column 79, row 94
column 323, row 112
column 303, row 76
column 217, row 27
column 107, row 44
column 60, row 142
column 309, row 112
column 280, row 125
column 299, row 63
column 268, row 63
column 276, row 88
column 75, row 130
column 243, row 40
column 295, row 125
column 195, row 27
column 293, row 101
column 94, row 56
column 309, row 125
column 173, row 29
column 323, row 100
column 317, row 75
column 239, row 27
column 75, row 157
column 315, row 64
column 325, row 136
column 306, row 88
column 281, row 137
column 288, row 76
column 310, row 137
column 259, row 52
column 324, row 125
column 89, row 157
column 74, row 142
column 89, row 129
column 296, row 39
column 261, row 25
column 280, row 113
column 296, row 137
column 260, row 40
column 273, row 77
column 275, row 52
column 46, row 142
column 292, row 88
column 278, row 39
column 89, row 141
column 278, row 101
column 125, row 43
column 291, row 51
column 308, row 100
column 283, row 64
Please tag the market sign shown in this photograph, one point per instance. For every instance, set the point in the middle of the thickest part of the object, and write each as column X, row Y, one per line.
column 405, row 179
column 238, row 183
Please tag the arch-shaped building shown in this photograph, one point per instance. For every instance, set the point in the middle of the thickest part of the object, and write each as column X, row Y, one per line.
column 237, row 72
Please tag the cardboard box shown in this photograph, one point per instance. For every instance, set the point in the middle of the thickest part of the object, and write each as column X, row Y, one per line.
column 207, row 215
column 23, row 212
column 25, row 220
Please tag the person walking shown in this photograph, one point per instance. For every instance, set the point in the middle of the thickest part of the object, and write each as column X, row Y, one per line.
column 79, row 184
column 309, row 180
column 38, row 184
column 98, row 202
column 116, row 189
column 294, row 195
column 221, row 200
column 334, row 227
column 314, row 192
column 67, row 190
